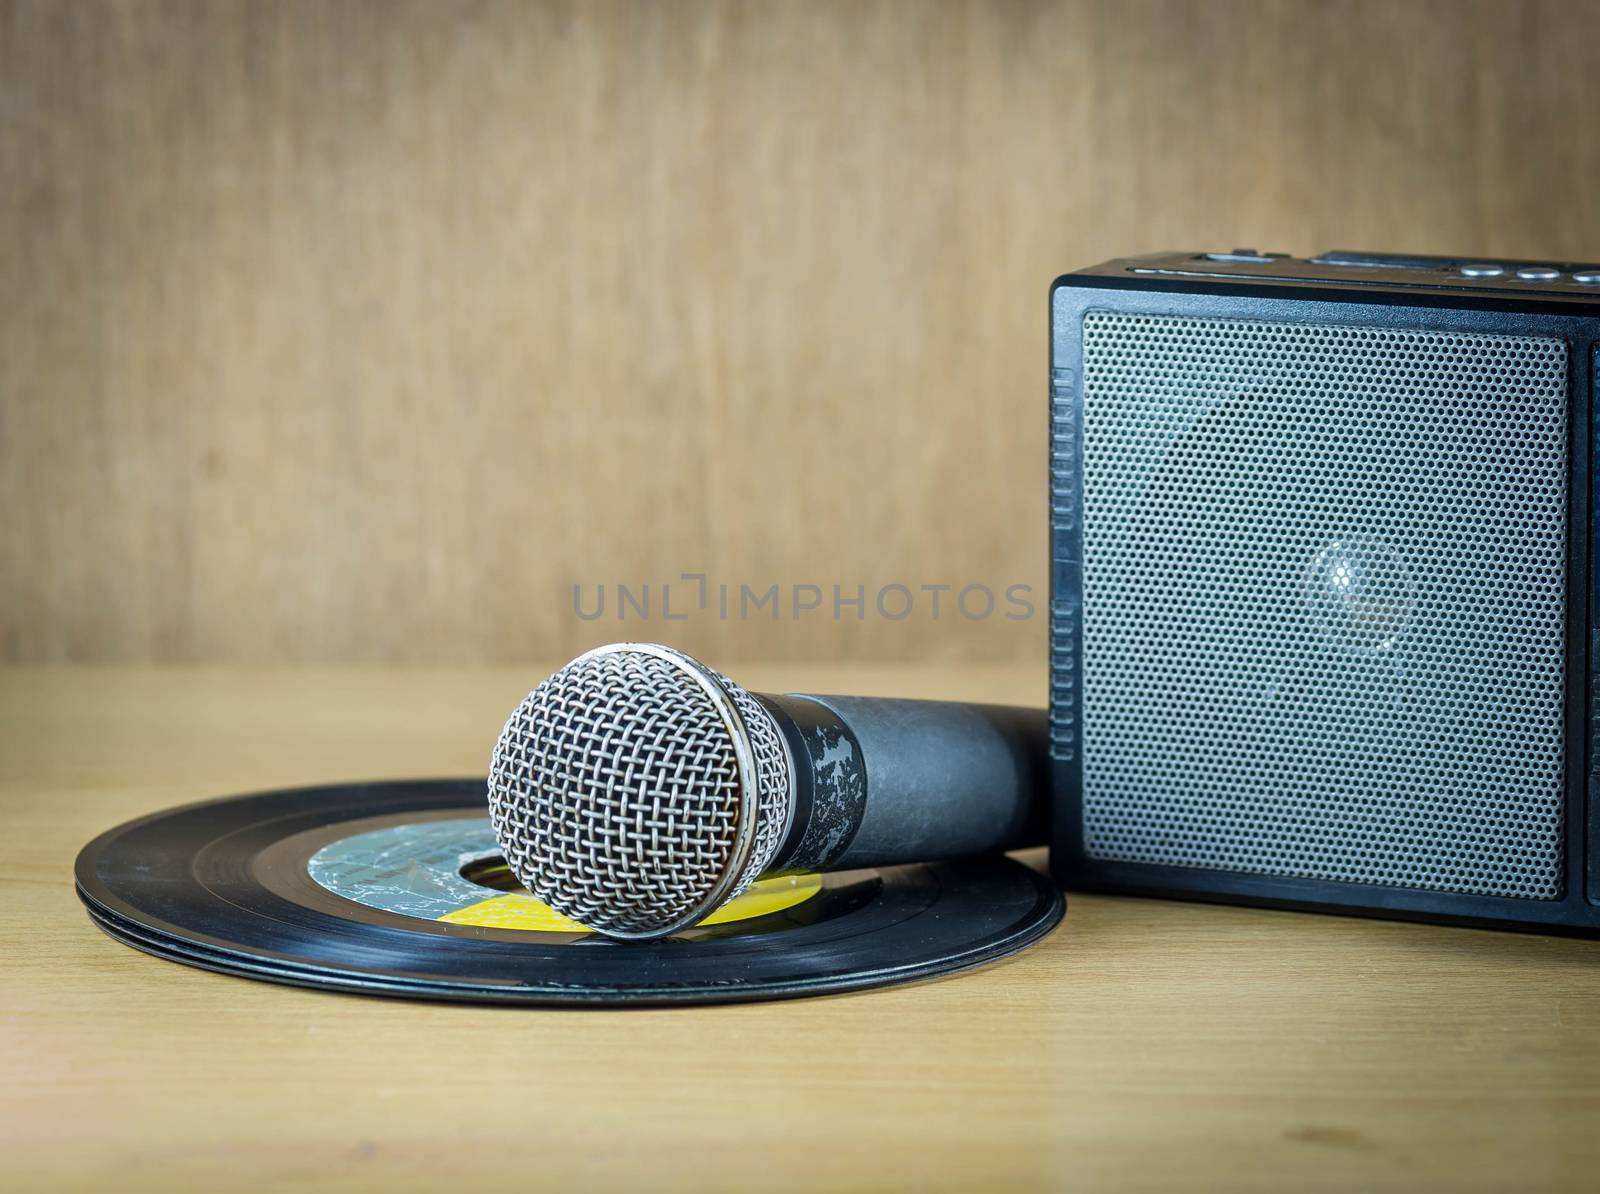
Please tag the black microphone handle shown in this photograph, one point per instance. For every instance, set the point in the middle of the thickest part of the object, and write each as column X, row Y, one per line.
column 882, row 781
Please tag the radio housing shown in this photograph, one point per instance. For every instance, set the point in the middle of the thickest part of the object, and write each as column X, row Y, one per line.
column 1322, row 602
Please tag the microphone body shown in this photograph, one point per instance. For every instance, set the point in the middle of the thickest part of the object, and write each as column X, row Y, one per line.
column 637, row 790
column 881, row 781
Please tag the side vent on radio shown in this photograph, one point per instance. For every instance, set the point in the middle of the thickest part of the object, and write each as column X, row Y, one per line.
column 1066, row 604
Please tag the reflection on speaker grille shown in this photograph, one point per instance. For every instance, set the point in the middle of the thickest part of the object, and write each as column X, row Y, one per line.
column 1325, row 601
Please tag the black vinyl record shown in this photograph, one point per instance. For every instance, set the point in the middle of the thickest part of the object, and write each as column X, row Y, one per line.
column 398, row 889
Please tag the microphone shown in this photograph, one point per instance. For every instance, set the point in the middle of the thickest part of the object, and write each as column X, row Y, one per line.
column 636, row 790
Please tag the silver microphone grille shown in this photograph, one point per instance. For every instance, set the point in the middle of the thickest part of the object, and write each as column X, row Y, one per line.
column 635, row 791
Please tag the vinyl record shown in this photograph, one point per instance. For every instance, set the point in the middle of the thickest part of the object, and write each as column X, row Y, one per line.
column 399, row 889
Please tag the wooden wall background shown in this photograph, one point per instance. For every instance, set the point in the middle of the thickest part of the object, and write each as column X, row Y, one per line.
column 362, row 331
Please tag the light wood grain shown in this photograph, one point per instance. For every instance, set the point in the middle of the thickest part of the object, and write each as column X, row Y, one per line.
column 362, row 331
column 1144, row 1046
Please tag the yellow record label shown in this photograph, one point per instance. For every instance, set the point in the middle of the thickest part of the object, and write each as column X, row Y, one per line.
column 519, row 910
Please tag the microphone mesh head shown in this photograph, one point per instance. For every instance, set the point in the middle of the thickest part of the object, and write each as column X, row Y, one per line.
column 636, row 790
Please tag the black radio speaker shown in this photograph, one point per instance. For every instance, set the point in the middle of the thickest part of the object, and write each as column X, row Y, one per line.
column 1321, row 609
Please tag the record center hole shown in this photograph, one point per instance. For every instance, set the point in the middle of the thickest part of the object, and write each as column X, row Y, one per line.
column 492, row 872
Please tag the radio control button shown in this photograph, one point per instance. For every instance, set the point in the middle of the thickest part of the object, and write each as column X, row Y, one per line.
column 1589, row 277
column 1538, row 273
column 1482, row 271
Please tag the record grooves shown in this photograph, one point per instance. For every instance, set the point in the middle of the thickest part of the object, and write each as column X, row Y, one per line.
column 395, row 889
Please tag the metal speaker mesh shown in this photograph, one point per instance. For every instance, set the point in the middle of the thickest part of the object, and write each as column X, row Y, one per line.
column 618, row 790
column 1324, row 613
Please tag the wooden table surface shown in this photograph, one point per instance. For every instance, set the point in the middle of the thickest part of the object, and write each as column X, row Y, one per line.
column 1144, row 1045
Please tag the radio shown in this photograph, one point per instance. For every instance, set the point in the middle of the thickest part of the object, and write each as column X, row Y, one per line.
column 1321, row 600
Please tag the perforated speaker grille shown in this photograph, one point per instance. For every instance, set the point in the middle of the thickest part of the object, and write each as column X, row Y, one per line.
column 1324, row 575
